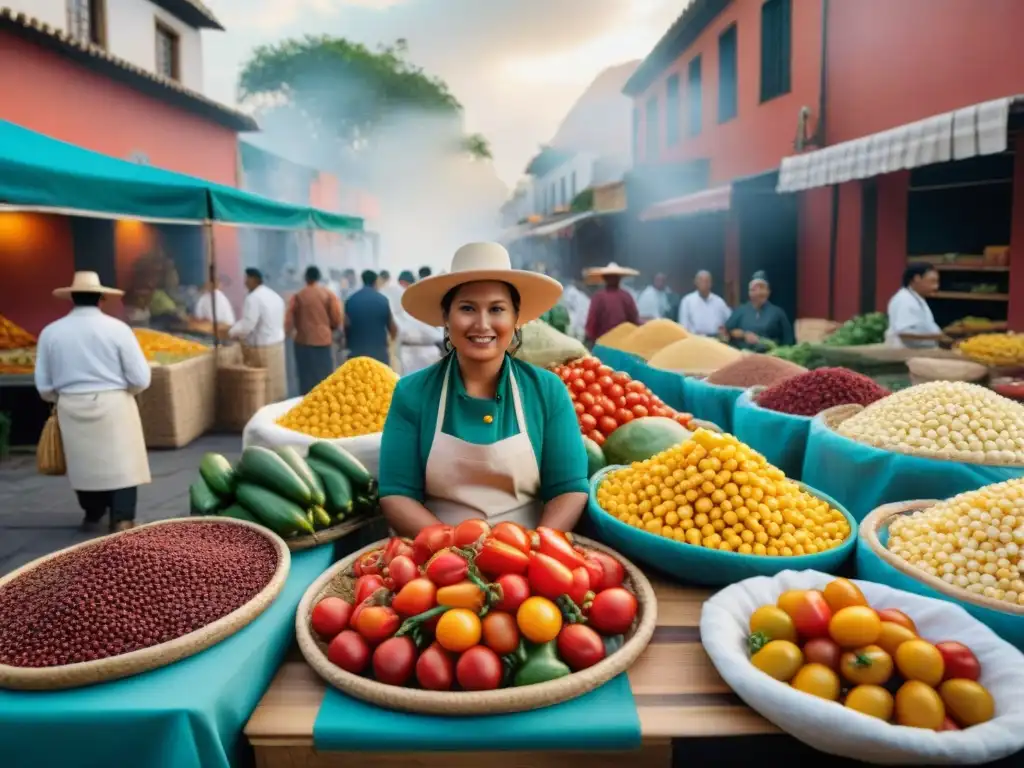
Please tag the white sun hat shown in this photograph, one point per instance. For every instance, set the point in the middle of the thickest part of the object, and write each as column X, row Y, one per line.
column 477, row 262
column 597, row 274
column 86, row 282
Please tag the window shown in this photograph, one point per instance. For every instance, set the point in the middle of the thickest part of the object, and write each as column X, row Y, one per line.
column 168, row 52
column 776, row 34
column 672, row 110
column 87, row 21
column 727, row 80
column 693, row 97
column 653, row 137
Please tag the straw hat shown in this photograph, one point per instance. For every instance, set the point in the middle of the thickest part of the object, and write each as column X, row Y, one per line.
column 86, row 282
column 475, row 262
column 597, row 274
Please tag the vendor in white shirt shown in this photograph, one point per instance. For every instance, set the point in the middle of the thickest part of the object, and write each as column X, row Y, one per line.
column 911, row 324
column 702, row 312
column 212, row 297
column 653, row 302
column 261, row 331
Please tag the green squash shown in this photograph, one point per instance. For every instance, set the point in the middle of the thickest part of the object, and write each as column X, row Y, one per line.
column 642, row 438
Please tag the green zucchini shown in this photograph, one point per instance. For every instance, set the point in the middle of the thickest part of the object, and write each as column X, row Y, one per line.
column 280, row 515
column 218, row 474
column 301, row 468
column 342, row 460
column 320, row 518
column 202, row 500
column 238, row 512
column 337, row 487
column 265, row 468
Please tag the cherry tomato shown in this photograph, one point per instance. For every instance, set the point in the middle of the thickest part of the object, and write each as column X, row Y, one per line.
column 615, row 390
column 632, row 398
column 512, row 534
column 773, row 623
column 587, row 399
column 588, row 423
column 500, row 632
column 330, row 616
column 779, row 659
column 579, row 408
column 402, row 570
column 468, row 532
column 636, row 386
column 871, row 700
column 623, row 416
column 640, row 411
column 855, row 626
column 608, row 404
column 612, row 572
column 607, row 425
column 376, row 623
column 898, row 617
column 919, row 706
column 366, row 586
column 595, row 389
column 683, row 419
column 959, row 661
column 604, row 370
column 892, row 636
column 621, row 378
column 967, row 702
column 606, row 382
column 920, row 660
column 580, row 646
column 394, row 661
column 435, row 669
column 824, row 651
column 414, row 598
column 613, row 611
column 548, row 577
column 458, row 630
column 597, row 411
column 809, row 611
column 479, row 669
column 869, row 665
column 578, row 384
column 589, row 376
column 817, row 680
column 597, row 436
column 590, row 363
column 539, row 619
column 349, row 651
column 841, row 593
column 514, row 591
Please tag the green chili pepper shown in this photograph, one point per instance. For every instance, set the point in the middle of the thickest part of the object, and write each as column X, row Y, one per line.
column 542, row 664
column 414, row 626
column 512, row 662
column 571, row 613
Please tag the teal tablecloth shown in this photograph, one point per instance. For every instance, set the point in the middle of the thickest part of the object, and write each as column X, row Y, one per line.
column 780, row 437
column 710, row 402
column 604, row 719
column 187, row 714
column 862, row 478
column 667, row 385
column 617, row 359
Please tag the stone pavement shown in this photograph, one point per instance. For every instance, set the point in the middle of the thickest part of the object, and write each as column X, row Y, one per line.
column 39, row 514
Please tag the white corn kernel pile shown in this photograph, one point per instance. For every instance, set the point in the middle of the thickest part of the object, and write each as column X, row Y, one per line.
column 950, row 420
column 973, row 541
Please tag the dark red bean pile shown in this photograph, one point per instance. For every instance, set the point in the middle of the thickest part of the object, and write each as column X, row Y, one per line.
column 808, row 394
column 131, row 592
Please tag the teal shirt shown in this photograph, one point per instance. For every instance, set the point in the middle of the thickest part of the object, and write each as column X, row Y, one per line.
column 550, row 422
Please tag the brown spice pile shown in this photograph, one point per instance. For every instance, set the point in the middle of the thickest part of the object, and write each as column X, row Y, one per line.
column 755, row 371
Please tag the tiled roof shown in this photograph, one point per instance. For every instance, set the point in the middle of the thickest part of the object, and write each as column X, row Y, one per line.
column 99, row 60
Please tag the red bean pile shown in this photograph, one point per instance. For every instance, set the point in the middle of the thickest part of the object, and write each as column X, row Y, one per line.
column 131, row 592
column 808, row 394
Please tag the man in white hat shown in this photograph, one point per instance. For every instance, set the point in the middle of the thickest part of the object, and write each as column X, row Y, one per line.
column 91, row 365
column 610, row 306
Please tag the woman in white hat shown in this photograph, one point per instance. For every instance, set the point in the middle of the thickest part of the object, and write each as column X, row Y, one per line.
column 91, row 365
column 612, row 305
column 481, row 434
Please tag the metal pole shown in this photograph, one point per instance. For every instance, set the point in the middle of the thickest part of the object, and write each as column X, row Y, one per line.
column 211, row 254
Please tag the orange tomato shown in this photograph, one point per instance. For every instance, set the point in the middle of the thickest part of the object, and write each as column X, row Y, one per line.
column 893, row 635
column 919, row 706
column 855, row 626
column 871, row 700
column 897, row 617
column 920, row 660
column 458, row 630
column 967, row 701
column 539, row 619
column 842, row 593
column 869, row 665
column 465, row 594
column 501, row 634
column 817, row 680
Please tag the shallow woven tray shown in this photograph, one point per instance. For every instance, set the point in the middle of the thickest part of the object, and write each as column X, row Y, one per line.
column 881, row 517
column 500, row 701
column 327, row 535
column 146, row 659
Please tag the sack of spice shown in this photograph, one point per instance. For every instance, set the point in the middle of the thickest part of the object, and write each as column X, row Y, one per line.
column 544, row 346
column 614, row 338
column 695, row 356
column 924, row 369
column 755, row 370
column 652, row 337
column 810, row 393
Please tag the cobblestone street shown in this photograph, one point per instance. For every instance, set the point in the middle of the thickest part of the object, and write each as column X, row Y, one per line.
column 39, row 514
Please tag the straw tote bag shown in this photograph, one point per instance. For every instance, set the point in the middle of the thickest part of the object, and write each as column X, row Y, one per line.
column 50, row 451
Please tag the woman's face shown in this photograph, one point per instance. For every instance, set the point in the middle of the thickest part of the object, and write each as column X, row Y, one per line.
column 481, row 321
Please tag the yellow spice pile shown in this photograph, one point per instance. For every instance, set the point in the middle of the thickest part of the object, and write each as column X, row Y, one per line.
column 696, row 355
column 653, row 336
column 614, row 338
column 156, row 343
column 994, row 348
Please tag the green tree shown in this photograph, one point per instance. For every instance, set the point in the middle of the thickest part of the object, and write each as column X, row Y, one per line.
column 345, row 90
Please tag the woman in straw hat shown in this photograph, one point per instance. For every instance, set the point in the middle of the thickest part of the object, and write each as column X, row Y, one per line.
column 480, row 434
column 91, row 365
column 611, row 306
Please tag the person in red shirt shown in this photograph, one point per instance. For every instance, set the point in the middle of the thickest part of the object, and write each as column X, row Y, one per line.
column 611, row 306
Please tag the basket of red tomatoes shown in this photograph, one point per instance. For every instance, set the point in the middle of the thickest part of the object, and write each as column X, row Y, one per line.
column 474, row 619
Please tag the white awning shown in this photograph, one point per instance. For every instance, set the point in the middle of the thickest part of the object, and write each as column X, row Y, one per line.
column 969, row 132
column 557, row 226
column 712, row 200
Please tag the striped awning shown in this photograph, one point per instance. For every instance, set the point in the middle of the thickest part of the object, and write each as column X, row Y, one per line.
column 980, row 129
column 712, row 200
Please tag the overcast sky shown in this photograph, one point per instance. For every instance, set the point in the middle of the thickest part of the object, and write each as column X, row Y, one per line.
column 516, row 65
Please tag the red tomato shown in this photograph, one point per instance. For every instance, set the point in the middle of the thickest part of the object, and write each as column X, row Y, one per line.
column 446, row 568
column 479, row 669
column 402, row 570
column 621, row 378
column 632, row 398
column 396, row 547
column 604, row 370
column 578, row 384
column 548, row 577
column 823, row 650
column 658, row 411
column 414, row 598
column 580, row 646
column 606, row 382
column 514, row 591
column 622, row 416
column 596, row 436
column 615, row 390
column 580, row 590
column 810, row 613
column 589, row 376
column 897, row 616
column 500, row 632
column 636, row 386
column 587, row 398
column 431, row 539
column 469, row 531
column 349, row 651
column 330, row 616
column 512, row 534
column 613, row 611
column 376, row 623
column 588, row 422
column 590, row 363
column 366, row 586
column 607, row 425
column 948, row 725
column 640, row 411
column 435, row 670
column 595, row 389
column 394, row 661
column 594, row 571
column 597, row 411
column 608, row 404
column 960, row 661
column 369, row 564
column 612, row 572
column 555, row 544
column 683, row 419
column 578, row 407
column 497, row 558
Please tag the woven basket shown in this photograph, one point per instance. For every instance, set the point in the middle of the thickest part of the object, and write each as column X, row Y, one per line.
column 924, row 369
column 880, row 518
column 499, row 701
column 229, row 354
column 146, row 659
column 328, row 535
column 813, row 330
column 180, row 404
column 836, row 415
column 241, row 391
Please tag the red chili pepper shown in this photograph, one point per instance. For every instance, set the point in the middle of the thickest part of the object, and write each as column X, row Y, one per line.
column 446, row 568
column 513, row 535
column 554, row 544
column 431, row 539
column 497, row 558
column 548, row 577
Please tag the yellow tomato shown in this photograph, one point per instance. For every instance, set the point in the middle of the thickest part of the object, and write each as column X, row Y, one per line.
column 791, row 600
column 869, row 665
column 919, row 706
column 920, row 660
column 893, row 635
column 458, row 630
column 967, row 701
column 871, row 700
column 779, row 659
column 817, row 680
column 855, row 626
column 772, row 622
column 539, row 619
column 842, row 593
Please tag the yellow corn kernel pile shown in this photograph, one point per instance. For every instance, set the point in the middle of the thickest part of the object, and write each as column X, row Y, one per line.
column 156, row 344
column 352, row 401
column 994, row 348
column 713, row 491
column 13, row 336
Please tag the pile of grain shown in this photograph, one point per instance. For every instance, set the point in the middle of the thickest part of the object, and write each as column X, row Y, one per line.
column 695, row 356
column 650, row 338
column 755, row 371
column 614, row 338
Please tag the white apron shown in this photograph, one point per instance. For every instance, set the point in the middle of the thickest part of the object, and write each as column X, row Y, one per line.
column 500, row 481
column 104, row 446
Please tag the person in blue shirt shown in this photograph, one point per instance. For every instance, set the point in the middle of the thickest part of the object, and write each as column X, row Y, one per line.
column 369, row 325
column 480, row 434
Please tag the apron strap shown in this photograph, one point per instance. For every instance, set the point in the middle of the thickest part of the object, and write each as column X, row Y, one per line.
column 517, row 400
column 443, row 404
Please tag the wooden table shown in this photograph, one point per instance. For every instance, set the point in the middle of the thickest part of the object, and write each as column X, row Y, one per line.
column 678, row 695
